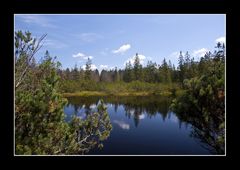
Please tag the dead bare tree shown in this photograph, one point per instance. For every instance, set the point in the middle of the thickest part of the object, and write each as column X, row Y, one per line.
column 30, row 56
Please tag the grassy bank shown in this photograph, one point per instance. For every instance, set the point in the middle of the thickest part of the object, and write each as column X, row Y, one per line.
column 134, row 88
column 98, row 93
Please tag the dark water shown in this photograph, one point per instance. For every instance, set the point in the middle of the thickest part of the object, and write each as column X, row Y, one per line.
column 141, row 125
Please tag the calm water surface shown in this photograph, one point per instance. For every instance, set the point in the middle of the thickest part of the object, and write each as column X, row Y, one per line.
column 141, row 125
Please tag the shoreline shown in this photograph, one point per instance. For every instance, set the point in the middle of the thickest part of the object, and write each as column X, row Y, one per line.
column 99, row 93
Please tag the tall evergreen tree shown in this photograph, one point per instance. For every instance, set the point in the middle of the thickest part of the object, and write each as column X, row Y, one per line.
column 181, row 67
column 116, row 75
column 187, row 64
column 137, row 68
column 165, row 72
column 75, row 73
column 88, row 69
column 128, row 73
column 150, row 72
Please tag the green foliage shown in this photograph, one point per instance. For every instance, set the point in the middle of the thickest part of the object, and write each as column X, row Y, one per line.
column 116, row 76
column 128, row 75
column 88, row 70
column 165, row 72
column 123, row 89
column 90, row 132
column 204, row 97
column 39, row 115
column 137, row 69
column 150, row 72
column 40, row 127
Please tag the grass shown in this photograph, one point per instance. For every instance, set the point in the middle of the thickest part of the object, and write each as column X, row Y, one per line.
column 135, row 88
column 98, row 93
column 85, row 93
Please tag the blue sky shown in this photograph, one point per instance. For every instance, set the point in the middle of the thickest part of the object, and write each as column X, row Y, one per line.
column 112, row 40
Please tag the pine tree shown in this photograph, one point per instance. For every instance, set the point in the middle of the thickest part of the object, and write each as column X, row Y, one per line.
column 187, row 64
column 75, row 73
column 40, row 127
column 116, row 75
column 137, row 68
column 150, row 72
column 181, row 68
column 128, row 73
column 165, row 73
column 204, row 98
column 88, row 69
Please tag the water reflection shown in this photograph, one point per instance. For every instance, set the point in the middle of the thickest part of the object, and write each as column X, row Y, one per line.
column 211, row 137
column 138, row 109
column 122, row 124
column 134, row 107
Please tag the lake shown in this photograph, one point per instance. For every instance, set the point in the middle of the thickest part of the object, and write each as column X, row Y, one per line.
column 142, row 126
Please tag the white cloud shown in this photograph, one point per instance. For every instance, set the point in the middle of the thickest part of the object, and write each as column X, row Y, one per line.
column 174, row 118
column 93, row 106
column 93, row 67
column 132, row 112
column 111, row 68
column 221, row 40
column 122, row 124
column 39, row 20
column 78, row 55
column 86, row 57
column 174, row 55
column 199, row 53
column 122, row 49
column 141, row 58
column 103, row 66
column 195, row 53
column 142, row 116
column 90, row 37
column 82, row 56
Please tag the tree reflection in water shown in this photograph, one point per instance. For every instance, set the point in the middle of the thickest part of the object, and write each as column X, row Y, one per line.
column 136, row 107
column 208, row 132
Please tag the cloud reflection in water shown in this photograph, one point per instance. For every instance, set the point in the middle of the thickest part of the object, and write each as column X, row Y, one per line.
column 122, row 124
